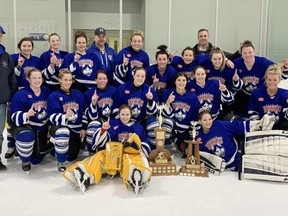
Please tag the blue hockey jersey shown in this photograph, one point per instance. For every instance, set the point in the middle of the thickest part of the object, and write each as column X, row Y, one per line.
column 103, row 108
column 50, row 75
column 136, row 59
column 210, row 96
column 33, row 61
column 23, row 101
column 261, row 103
column 57, row 105
column 84, row 71
column 136, row 99
column 185, row 108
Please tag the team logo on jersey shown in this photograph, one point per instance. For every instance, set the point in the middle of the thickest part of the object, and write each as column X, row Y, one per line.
column 207, row 71
column 180, row 110
column 261, row 99
column 136, row 63
column 110, row 57
column 127, row 92
column 250, row 83
column 179, row 66
column 136, row 105
column 189, row 74
column 206, row 100
column 128, row 55
column 40, row 108
column 105, row 104
column 74, row 107
column 60, row 98
column 29, row 96
column 215, row 145
column 87, row 66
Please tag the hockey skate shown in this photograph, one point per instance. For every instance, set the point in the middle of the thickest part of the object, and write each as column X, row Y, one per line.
column 26, row 167
column 10, row 153
column 61, row 166
column 136, row 181
column 82, row 179
column 2, row 166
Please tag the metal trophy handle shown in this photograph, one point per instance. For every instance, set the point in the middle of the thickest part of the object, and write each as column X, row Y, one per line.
column 193, row 132
column 160, row 118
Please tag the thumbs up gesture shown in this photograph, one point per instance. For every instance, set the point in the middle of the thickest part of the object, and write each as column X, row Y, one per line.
column 235, row 76
column 31, row 111
column 94, row 98
column 149, row 94
column 76, row 57
column 125, row 60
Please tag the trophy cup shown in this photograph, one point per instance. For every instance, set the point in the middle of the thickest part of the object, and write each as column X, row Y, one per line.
column 192, row 166
column 160, row 159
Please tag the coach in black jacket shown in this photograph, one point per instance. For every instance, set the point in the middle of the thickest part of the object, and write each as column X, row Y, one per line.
column 8, row 85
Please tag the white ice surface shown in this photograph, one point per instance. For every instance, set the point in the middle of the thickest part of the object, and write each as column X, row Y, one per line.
column 45, row 192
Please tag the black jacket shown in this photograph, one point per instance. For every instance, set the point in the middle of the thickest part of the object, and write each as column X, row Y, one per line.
column 8, row 82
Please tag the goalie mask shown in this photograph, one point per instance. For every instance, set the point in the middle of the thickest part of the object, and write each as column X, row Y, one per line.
column 132, row 145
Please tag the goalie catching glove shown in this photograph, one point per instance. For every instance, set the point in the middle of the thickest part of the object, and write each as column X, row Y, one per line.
column 132, row 145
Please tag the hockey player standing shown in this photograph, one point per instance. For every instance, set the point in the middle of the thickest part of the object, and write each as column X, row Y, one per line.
column 210, row 93
column 160, row 75
column 129, row 58
column 106, row 54
column 24, row 61
column 51, row 62
column 186, row 63
column 251, row 70
column 82, row 64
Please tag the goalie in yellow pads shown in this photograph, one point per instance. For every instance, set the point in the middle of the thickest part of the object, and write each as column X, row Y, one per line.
column 125, row 153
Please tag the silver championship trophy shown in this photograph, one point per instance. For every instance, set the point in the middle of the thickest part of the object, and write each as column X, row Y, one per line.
column 192, row 166
column 160, row 159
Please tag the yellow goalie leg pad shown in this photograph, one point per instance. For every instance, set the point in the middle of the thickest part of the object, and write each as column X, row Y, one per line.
column 135, row 161
column 93, row 166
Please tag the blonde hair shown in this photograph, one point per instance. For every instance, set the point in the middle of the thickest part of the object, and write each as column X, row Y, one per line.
column 64, row 71
column 138, row 33
column 273, row 70
column 217, row 50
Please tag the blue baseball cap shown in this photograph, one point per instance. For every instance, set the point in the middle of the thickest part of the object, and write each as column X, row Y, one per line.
column 2, row 30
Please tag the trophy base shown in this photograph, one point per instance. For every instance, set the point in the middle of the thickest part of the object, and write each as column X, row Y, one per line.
column 193, row 170
column 163, row 169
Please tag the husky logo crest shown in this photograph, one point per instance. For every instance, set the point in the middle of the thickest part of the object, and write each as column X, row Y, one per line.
column 87, row 70
column 106, row 110
column 74, row 117
column 180, row 114
column 41, row 114
column 135, row 110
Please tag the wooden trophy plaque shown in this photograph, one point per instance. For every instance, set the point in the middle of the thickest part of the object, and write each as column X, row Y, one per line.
column 160, row 159
column 193, row 166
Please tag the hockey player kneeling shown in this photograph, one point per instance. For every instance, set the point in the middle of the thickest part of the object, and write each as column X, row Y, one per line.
column 126, row 159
